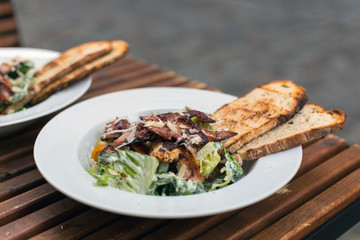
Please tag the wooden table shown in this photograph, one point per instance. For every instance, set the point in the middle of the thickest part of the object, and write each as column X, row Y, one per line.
column 326, row 185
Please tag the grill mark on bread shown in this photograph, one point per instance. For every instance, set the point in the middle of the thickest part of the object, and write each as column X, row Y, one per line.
column 262, row 109
column 312, row 122
column 119, row 50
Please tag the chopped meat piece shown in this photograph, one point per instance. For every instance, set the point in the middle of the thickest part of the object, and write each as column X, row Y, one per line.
column 142, row 133
column 107, row 150
column 5, row 68
column 140, row 147
column 165, row 133
column 117, row 124
column 192, row 166
column 5, row 89
column 202, row 116
column 165, row 151
column 120, row 141
column 218, row 136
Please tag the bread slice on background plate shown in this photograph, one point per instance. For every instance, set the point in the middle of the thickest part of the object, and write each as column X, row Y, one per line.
column 310, row 123
column 118, row 50
column 259, row 111
column 71, row 66
column 70, row 60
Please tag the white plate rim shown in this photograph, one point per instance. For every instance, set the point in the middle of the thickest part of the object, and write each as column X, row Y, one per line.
column 18, row 118
column 135, row 202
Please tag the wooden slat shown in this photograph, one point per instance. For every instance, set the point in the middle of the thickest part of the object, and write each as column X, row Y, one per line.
column 317, row 211
column 14, row 153
column 20, row 184
column 145, row 71
column 7, row 25
column 5, row 9
column 255, row 218
column 320, row 151
column 79, row 226
column 118, row 75
column 14, row 167
column 123, row 61
column 127, row 228
column 38, row 221
column 8, row 144
column 9, row 40
column 119, row 63
column 193, row 84
column 212, row 89
column 190, row 228
column 117, row 69
column 26, row 202
column 134, row 83
column 172, row 82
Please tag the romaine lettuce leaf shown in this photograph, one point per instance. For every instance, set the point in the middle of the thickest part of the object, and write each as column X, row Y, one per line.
column 233, row 172
column 126, row 170
column 171, row 185
column 208, row 157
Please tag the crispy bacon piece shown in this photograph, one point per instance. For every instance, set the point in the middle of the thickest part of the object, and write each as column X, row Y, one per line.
column 143, row 134
column 218, row 136
column 5, row 69
column 140, row 147
column 5, row 89
column 202, row 116
column 123, row 139
column 117, row 124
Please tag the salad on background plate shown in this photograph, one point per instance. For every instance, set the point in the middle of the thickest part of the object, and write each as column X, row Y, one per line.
column 16, row 76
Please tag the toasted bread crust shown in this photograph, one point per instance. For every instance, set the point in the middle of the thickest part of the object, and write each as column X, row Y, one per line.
column 257, row 112
column 69, row 67
column 119, row 50
column 297, row 138
column 70, row 60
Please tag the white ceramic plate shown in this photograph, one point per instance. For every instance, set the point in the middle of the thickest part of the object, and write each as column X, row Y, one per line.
column 63, row 147
column 13, row 122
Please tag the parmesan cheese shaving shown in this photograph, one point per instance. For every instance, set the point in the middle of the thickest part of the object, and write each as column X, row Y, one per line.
column 172, row 126
column 196, row 140
column 154, row 124
column 181, row 171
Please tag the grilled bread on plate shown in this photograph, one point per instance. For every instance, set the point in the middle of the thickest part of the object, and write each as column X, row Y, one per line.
column 310, row 123
column 259, row 111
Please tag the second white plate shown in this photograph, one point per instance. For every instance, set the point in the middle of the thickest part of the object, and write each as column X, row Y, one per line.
column 13, row 122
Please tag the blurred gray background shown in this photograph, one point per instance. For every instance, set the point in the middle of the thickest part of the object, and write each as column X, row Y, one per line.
column 231, row 45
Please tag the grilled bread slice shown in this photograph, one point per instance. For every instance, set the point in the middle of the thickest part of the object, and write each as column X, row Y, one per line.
column 66, row 64
column 257, row 112
column 118, row 50
column 70, row 60
column 310, row 123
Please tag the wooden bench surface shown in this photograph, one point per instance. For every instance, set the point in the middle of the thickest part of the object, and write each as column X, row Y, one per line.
column 327, row 182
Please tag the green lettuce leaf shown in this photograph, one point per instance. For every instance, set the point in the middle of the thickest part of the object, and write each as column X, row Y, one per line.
column 208, row 157
column 171, row 185
column 126, row 170
column 233, row 172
